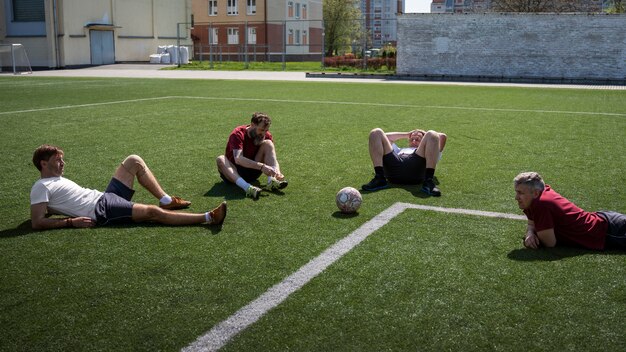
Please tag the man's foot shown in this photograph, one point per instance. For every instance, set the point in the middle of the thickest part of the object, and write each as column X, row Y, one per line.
column 177, row 203
column 375, row 184
column 430, row 188
column 253, row 192
column 274, row 184
column 218, row 214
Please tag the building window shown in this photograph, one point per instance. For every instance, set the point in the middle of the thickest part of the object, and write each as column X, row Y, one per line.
column 212, row 7
column 297, row 10
column 290, row 9
column 251, row 35
column 251, row 7
column 233, row 35
column 213, row 36
column 232, row 8
column 297, row 37
column 304, row 11
column 29, row 11
column 290, row 37
column 304, row 38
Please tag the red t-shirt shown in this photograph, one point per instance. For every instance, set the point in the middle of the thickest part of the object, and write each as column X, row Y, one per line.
column 572, row 225
column 239, row 140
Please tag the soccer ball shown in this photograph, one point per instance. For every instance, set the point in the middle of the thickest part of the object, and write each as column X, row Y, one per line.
column 348, row 200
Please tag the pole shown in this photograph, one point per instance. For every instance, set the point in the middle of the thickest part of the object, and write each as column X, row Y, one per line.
column 178, row 42
column 13, row 59
column 284, row 44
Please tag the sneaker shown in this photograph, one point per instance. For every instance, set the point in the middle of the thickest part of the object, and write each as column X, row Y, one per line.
column 253, row 192
column 429, row 188
column 274, row 184
column 177, row 203
column 375, row 184
column 218, row 214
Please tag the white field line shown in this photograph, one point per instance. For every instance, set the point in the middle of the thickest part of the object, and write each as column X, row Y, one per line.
column 323, row 102
column 83, row 105
column 223, row 332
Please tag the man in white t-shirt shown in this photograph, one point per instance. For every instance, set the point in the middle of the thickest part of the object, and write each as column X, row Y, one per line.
column 53, row 193
column 412, row 165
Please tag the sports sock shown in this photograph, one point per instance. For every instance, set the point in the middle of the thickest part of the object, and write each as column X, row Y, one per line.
column 380, row 172
column 430, row 174
column 207, row 216
column 165, row 200
column 269, row 179
column 242, row 184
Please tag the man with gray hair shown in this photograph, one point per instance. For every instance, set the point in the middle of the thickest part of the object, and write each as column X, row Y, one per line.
column 552, row 218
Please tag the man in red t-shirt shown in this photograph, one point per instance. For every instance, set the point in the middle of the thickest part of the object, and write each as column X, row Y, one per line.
column 249, row 153
column 552, row 218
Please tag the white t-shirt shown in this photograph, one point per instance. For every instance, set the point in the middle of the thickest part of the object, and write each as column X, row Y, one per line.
column 409, row 150
column 65, row 197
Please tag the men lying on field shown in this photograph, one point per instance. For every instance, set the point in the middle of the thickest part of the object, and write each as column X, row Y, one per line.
column 553, row 219
column 53, row 193
column 250, row 152
column 413, row 165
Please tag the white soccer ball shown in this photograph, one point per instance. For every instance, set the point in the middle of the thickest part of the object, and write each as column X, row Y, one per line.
column 348, row 200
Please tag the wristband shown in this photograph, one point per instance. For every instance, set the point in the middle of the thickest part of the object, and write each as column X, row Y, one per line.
column 68, row 222
column 262, row 166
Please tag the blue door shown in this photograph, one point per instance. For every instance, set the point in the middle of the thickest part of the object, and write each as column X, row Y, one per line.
column 102, row 48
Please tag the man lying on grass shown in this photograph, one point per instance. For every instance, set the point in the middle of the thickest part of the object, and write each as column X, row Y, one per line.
column 413, row 165
column 553, row 219
column 53, row 193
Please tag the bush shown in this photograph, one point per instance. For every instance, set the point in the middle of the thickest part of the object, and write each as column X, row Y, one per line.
column 348, row 61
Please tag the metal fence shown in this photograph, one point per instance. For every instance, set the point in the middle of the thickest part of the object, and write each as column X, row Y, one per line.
column 290, row 41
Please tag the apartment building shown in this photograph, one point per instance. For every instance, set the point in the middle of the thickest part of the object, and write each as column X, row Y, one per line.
column 380, row 17
column 60, row 33
column 258, row 29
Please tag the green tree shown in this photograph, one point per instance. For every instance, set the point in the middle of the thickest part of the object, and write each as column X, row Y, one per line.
column 617, row 6
column 342, row 25
column 558, row 6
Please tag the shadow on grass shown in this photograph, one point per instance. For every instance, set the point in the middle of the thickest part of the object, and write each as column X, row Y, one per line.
column 231, row 191
column 557, row 253
column 415, row 190
column 25, row 228
column 22, row 229
column 340, row 215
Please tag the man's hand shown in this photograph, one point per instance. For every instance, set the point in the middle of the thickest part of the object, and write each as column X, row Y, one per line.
column 531, row 241
column 82, row 222
column 270, row 171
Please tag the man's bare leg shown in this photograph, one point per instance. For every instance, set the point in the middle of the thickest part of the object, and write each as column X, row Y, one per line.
column 379, row 145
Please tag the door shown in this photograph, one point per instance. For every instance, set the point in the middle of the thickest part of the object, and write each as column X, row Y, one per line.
column 102, row 48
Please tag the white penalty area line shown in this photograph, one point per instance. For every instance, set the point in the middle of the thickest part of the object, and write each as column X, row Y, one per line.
column 223, row 332
column 330, row 102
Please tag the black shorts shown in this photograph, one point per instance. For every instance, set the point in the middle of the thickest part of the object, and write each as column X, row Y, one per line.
column 404, row 169
column 246, row 173
column 616, row 232
column 115, row 207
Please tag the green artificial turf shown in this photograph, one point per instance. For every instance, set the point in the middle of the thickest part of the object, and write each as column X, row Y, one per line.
column 425, row 281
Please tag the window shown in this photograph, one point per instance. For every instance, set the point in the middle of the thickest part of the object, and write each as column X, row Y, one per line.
column 304, row 11
column 251, row 7
column 232, row 8
column 233, row 35
column 304, row 38
column 290, row 37
column 212, row 7
column 297, row 37
column 290, row 9
column 29, row 11
column 251, row 35
column 213, row 36
column 297, row 10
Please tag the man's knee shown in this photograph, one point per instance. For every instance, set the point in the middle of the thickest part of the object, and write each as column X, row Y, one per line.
column 135, row 165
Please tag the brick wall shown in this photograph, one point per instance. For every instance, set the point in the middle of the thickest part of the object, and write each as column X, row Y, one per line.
column 513, row 45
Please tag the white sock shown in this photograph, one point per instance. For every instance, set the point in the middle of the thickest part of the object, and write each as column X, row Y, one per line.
column 165, row 200
column 207, row 216
column 242, row 184
column 269, row 179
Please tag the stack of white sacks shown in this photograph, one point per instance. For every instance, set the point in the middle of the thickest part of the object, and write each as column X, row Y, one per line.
column 168, row 54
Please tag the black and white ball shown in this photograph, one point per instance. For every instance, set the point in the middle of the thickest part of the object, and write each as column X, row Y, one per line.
column 348, row 200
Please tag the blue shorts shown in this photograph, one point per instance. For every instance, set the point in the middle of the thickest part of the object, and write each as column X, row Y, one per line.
column 616, row 233
column 115, row 207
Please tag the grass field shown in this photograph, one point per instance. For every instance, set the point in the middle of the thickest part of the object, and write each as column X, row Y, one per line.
column 425, row 281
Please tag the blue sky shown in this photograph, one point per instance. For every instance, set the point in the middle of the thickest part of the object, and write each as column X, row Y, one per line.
column 417, row 6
